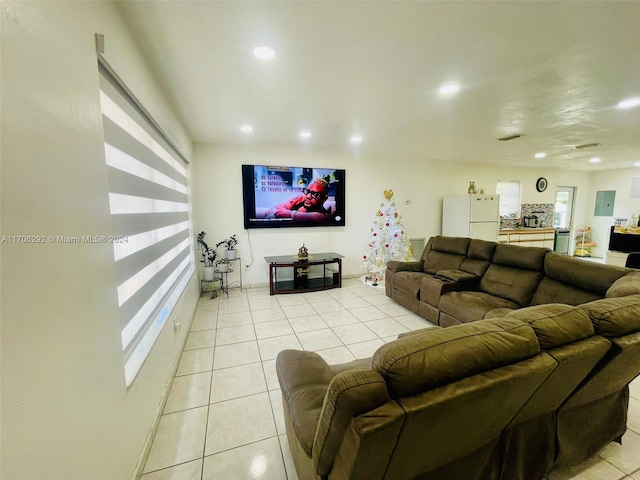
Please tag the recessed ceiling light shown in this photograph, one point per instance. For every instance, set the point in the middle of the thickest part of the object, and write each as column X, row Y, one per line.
column 449, row 89
column 540, row 155
column 629, row 103
column 264, row 53
column 305, row 134
column 594, row 160
column 356, row 139
column 636, row 164
column 246, row 128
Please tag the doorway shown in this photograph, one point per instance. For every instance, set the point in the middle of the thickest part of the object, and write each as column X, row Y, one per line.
column 563, row 213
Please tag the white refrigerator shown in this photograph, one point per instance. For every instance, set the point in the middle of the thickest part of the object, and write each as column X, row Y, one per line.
column 473, row 216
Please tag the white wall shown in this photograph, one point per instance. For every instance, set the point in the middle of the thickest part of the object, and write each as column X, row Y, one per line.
column 624, row 207
column 217, row 196
column 66, row 414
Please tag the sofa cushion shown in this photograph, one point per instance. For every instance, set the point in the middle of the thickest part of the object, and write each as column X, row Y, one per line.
column 554, row 291
column 555, row 324
column 458, row 275
column 628, row 284
column 472, row 306
column 574, row 281
column 514, row 256
column 478, row 257
column 437, row 357
column 515, row 284
column 614, row 317
column 446, row 253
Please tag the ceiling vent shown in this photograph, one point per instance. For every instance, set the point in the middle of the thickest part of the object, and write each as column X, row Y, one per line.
column 511, row 137
column 587, row 145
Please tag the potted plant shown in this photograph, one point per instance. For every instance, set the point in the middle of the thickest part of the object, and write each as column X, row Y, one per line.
column 208, row 257
column 223, row 265
column 230, row 246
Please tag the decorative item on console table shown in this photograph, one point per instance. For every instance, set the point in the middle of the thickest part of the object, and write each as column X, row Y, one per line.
column 223, row 265
column 230, row 246
column 303, row 252
column 472, row 190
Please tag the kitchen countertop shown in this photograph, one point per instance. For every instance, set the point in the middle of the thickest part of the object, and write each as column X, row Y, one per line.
column 528, row 230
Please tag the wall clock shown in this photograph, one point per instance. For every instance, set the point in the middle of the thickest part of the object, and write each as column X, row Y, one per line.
column 541, row 184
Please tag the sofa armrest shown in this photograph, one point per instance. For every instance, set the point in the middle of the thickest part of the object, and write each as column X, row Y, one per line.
column 395, row 266
column 351, row 393
column 304, row 378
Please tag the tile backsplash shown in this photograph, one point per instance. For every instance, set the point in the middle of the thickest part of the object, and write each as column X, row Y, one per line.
column 544, row 212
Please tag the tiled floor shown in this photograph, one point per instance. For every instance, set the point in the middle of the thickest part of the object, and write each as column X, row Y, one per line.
column 223, row 418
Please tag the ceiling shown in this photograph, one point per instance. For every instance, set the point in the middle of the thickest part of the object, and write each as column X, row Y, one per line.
column 553, row 72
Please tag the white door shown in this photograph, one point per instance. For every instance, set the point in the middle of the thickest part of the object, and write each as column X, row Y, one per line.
column 484, row 231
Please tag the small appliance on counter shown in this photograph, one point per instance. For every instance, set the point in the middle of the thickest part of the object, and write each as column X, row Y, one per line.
column 531, row 221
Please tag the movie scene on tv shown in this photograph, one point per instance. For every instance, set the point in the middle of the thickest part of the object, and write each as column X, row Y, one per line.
column 298, row 196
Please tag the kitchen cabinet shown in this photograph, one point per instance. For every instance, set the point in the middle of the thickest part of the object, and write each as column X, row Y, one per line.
column 524, row 237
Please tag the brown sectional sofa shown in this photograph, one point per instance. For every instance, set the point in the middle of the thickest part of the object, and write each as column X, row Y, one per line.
column 461, row 280
column 532, row 371
column 502, row 398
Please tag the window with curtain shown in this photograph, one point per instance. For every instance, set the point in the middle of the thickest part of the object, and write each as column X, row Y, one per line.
column 510, row 195
column 150, row 210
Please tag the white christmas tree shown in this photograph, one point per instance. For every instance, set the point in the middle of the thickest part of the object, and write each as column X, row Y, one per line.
column 388, row 241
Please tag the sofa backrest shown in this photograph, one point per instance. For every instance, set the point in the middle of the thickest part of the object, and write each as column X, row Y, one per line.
column 443, row 390
column 445, row 253
column 573, row 281
column 479, row 256
column 514, row 273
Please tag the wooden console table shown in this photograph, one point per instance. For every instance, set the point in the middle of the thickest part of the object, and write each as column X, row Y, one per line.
column 302, row 279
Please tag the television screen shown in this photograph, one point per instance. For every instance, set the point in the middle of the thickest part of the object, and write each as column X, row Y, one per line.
column 292, row 196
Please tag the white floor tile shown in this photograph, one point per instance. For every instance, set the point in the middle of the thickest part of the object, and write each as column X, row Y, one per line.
column 341, row 293
column 625, row 457
column 386, row 327
column 234, row 319
column 270, row 347
column 203, row 339
column 365, row 314
column 354, row 333
column 633, row 416
column 258, row 461
column 262, row 303
column 379, row 300
column 278, row 410
column 308, row 323
column 365, row 291
column 195, row 361
column 268, row 314
column 393, row 309
column 240, row 381
column 301, row 310
column 270, row 374
column 414, row 322
column 634, row 388
column 288, row 460
column 319, row 340
column 365, row 349
column 336, row 355
column 179, row 439
column 595, row 468
column 328, row 306
column 276, row 328
column 188, row 391
column 292, row 299
column 185, row 471
column 342, row 317
column 316, row 297
column 236, row 354
column 208, row 322
column 354, row 302
column 237, row 422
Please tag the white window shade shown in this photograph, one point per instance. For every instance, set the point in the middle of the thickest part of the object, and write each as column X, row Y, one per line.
column 510, row 195
column 150, row 211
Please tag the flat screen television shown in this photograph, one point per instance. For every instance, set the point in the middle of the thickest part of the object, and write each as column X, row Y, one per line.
column 292, row 196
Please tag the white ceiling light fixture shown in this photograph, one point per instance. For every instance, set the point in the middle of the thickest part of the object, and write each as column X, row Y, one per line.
column 356, row 139
column 540, row 155
column 594, row 160
column 636, row 164
column 449, row 89
column 629, row 103
column 264, row 53
column 246, row 128
column 305, row 134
